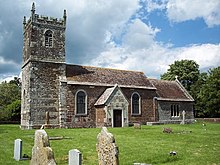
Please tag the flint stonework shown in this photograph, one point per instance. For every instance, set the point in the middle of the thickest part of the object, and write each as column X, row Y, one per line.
column 42, row 154
column 108, row 153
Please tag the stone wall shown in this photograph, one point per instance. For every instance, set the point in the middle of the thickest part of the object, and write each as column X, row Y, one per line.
column 93, row 93
column 100, row 117
column 164, row 110
column 147, row 112
column 41, row 93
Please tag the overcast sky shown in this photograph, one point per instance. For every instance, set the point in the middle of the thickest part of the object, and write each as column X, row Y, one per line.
column 142, row 35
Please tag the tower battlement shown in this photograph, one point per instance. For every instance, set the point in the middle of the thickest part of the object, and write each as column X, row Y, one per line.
column 44, row 20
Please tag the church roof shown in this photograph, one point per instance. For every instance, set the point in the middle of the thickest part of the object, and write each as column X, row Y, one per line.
column 105, row 96
column 87, row 75
column 171, row 90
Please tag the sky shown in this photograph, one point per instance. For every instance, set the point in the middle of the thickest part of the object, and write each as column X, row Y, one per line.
column 139, row 35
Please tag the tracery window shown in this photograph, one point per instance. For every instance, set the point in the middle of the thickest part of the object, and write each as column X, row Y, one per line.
column 48, row 38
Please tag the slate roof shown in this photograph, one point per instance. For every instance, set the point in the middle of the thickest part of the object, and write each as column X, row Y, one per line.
column 105, row 96
column 88, row 75
column 171, row 90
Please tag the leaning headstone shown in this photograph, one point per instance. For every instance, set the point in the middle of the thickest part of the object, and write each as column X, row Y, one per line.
column 75, row 157
column 108, row 153
column 42, row 154
column 18, row 149
column 183, row 121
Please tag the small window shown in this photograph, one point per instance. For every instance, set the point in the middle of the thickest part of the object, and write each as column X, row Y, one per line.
column 175, row 110
column 48, row 38
column 81, row 103
column 135, row 101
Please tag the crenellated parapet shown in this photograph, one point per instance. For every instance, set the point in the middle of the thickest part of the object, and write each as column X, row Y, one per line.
column 44, row 20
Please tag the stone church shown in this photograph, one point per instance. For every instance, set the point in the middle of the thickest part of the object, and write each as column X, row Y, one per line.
column 57, row 94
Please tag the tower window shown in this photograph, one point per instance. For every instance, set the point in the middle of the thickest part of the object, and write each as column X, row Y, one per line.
column 48, row 38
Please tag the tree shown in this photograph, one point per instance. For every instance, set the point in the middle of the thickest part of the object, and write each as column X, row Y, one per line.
column 209, row 94
column 186, row 70
column 10, row 96
column 195, row 90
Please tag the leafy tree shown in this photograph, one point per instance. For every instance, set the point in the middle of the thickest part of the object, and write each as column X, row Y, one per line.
column 186, row 70
column 195, row 90
column 209, row 94
column 10, row 96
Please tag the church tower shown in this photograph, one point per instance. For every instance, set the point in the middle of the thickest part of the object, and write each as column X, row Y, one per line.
column 43, row 66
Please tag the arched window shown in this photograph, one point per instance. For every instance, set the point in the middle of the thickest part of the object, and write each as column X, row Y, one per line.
column 135, row 103
column 81, row 103
column 48, row 38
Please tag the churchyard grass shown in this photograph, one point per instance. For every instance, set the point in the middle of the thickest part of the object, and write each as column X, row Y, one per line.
column 194, row 144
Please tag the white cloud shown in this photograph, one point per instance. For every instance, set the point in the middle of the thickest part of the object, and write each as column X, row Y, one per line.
column 140, row 51
column 179, row 10
column 206, row 55
column 156, row 5
column 183, row 10
column 139, row 35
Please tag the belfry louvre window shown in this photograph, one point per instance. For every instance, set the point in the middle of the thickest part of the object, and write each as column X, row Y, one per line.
column 81, row 103
column 135, row 99
column 175, row 110
column 48, row 38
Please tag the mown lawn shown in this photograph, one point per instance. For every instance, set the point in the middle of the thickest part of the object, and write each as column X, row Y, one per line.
column 194, row 144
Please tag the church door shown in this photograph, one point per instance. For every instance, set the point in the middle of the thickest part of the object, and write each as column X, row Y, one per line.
column 117, row 117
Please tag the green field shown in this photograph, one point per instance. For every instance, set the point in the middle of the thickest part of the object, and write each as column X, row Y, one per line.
column 194, row 144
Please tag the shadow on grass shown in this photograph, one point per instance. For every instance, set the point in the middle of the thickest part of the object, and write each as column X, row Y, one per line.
column 166, row 160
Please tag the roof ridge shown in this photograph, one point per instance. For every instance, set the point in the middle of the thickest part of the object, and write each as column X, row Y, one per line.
column 161, row 80
column 87, row 66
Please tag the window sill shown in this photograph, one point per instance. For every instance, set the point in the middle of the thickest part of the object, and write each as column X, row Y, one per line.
column 136, row 114
column 81, row 115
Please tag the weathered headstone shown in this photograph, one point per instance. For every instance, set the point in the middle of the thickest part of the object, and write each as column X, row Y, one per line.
column 42, row 154
column 167, row 130
column 108, row 153
column 183, row 121
column 75, row 157
column 18, row 149
column 137, row 125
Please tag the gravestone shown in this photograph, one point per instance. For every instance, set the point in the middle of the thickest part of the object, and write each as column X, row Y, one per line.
column 167, row 130
column 108, row 153
column 18, row 149
column 137, row 125
column 75, row 157
column 42, row 154
column 183, row 121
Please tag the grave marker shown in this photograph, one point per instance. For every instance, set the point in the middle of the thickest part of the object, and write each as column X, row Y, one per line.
column 42, row 154
column 18, row 149
column 183, row 121
column 75, row 157
column 108, row 153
